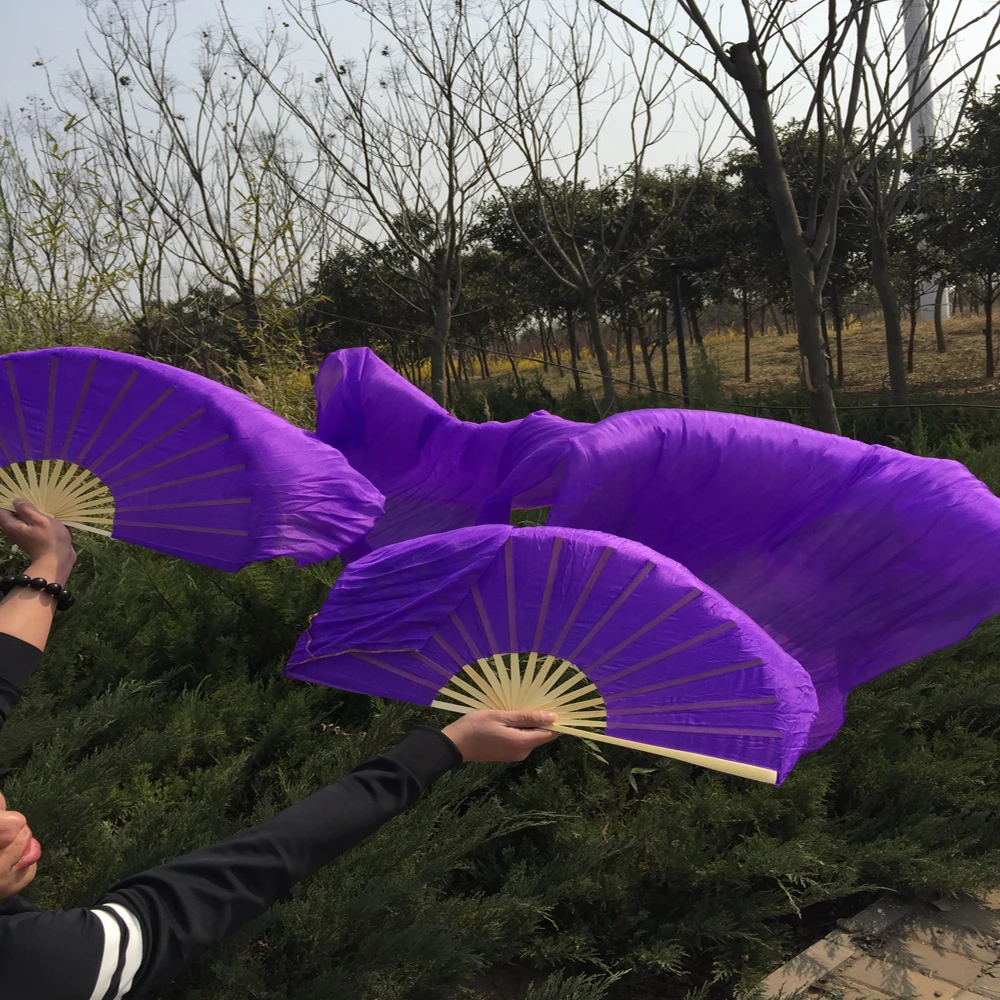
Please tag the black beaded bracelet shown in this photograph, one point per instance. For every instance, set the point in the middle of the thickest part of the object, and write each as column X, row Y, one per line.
column 64, row 599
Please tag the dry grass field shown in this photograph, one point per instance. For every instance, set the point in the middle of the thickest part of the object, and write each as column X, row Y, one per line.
column 958, row 374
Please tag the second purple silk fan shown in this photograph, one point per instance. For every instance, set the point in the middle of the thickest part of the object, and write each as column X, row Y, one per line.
column 626, row 646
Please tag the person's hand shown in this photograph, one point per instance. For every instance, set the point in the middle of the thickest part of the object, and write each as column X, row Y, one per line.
column 43, row 539
column 506, row 736
column 19, row 851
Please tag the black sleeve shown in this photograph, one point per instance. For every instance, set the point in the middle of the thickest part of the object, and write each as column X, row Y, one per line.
column 149, row 927
column 18, row 660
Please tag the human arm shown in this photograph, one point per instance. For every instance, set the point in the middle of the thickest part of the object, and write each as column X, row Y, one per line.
column 150, row 926
column 26, row 614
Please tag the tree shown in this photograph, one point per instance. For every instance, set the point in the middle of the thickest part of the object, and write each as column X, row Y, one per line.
column 207, row 164
column 559, row 86
column 849, row 67
column 497, row 307
column 754, row 230
column 899, row 106
column 914, row 264
column 965, row 196
column 808, row 243
column 61, row 259
column 349, row 306
column 397, row 131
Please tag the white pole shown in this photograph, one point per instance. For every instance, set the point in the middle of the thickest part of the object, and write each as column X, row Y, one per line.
column 915, row 32
column 918, row 72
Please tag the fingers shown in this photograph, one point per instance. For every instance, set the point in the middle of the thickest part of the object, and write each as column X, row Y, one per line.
column 23, row 514
column 11, row 824
column 14, row 837
column 527, row 720
column 19, row 852
column 27, row 512
column 531, row 738
column 518, row 743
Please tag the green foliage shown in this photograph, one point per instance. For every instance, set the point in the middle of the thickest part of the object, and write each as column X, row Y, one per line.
column 503, row 401
column 706, row 382
column 561, row 987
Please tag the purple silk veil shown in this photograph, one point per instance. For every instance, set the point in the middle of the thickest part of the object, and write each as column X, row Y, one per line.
column 194, row 469
column 674, row 663
column 855, row 558
column 436, row 471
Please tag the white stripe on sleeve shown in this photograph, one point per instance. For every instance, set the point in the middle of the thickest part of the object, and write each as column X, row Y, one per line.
column 133, row 949
column 109, row 960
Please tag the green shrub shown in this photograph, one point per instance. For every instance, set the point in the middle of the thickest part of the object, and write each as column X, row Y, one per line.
column 502, row 400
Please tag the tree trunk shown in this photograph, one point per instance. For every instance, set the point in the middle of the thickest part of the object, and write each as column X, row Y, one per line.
column 807, row 297
column 630, row 347
column 838, row 329
column 679, row 321
column 601, row 353
column 456, row 378
column 988, row 330
column 826, row 345
column 882, row 280
column 544, row 343
column 647, row 361
column 747, row 334
column 439, row 342
column 942, row 345
column 695, row 320
column 554, row 343
column 574, row 349
column 777, row 319
column 912, row 343
column 484, row 364
column 665, row 342
column 508, row 345
column 251, row 311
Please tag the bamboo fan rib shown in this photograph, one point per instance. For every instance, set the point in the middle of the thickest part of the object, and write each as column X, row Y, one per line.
column 530, row 682
column 626, row 647
column 61, row 490
column 146, row 453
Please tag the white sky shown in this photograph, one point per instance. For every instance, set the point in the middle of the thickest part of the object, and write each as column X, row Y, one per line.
column 54, row 31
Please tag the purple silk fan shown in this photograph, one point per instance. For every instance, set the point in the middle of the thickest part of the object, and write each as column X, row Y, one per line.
column 150, row 454
column 624, row 644
column 854, row 558
column 436, row 471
